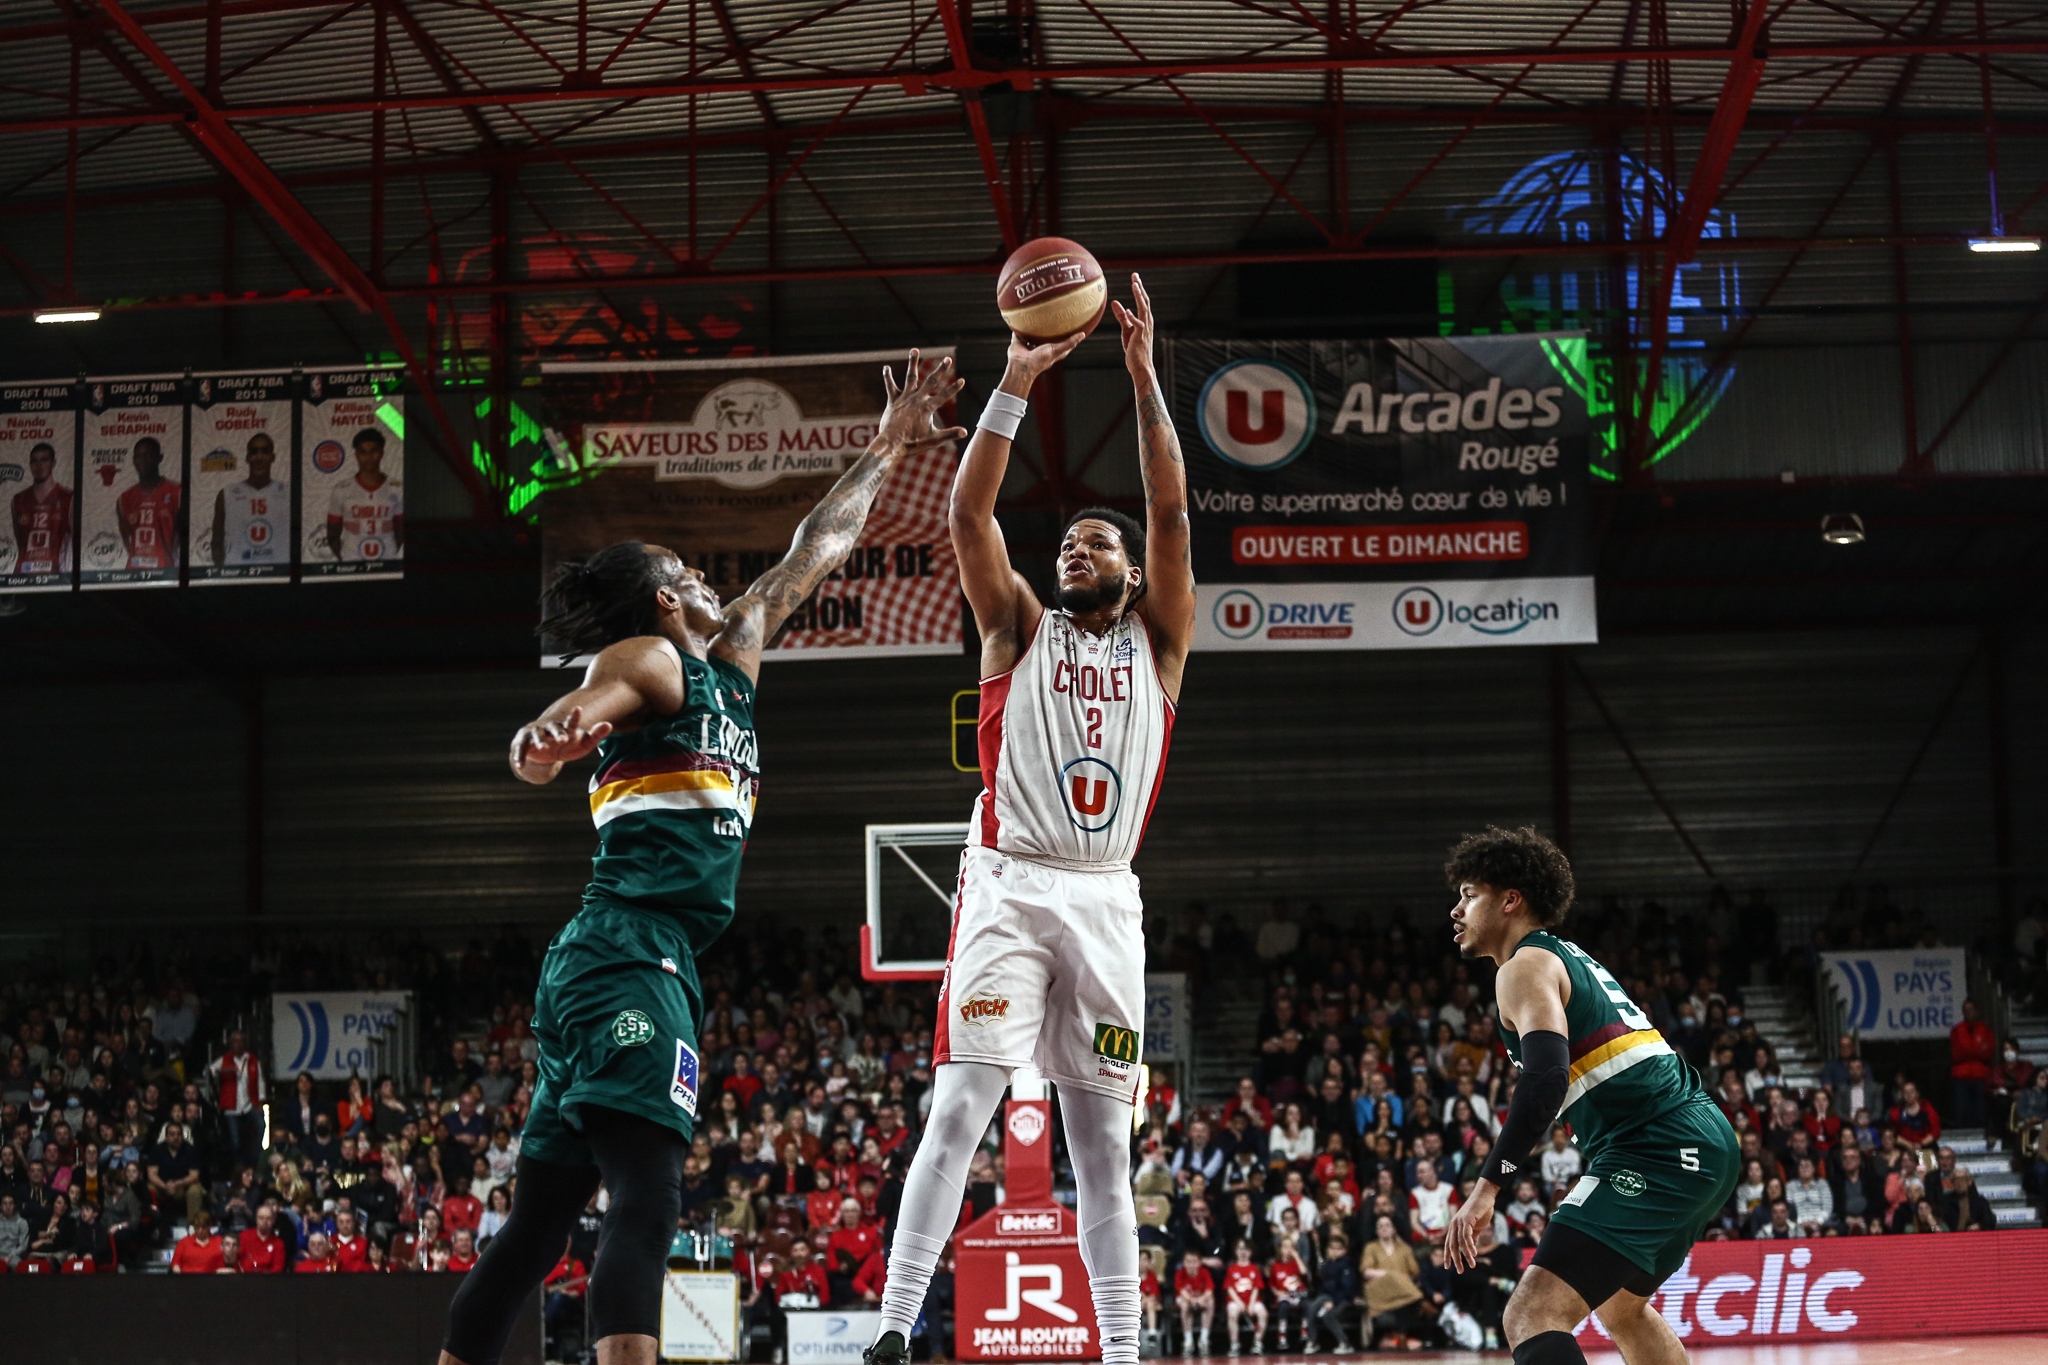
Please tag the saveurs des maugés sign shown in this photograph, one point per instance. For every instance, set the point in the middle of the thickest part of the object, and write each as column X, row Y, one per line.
column 1394, row 494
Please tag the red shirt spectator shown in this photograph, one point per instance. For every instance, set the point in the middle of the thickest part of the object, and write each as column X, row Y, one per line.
column 804, row 1277
column 821, row 1206
column 462, row 1253
column 1286, row 1278
column 849, row 1247
column 743, row 1084
column 1257, row 1107
column 1242, row 1282
column 197, row 1253
column 1972, row 1047
column 874, row 1273
column 461, row 1210
column 351, row 1248
column 260, row 1249
column 568, row 1277
column 319, row 1257
column 1194, row 1283
column 889, row 1135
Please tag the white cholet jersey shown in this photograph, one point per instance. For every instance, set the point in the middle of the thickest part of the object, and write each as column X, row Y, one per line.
column 1073, row 746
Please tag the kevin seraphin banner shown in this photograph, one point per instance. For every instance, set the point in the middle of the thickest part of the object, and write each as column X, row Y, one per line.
column 1401, row 494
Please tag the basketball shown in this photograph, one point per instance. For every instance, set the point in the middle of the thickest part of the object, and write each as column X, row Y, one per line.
column 1050, row 288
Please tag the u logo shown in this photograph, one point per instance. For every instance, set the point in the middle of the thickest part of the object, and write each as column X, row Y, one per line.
column 1092, row 791
column 1237, row 416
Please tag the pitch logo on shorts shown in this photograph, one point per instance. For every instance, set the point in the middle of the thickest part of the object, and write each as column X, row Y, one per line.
column 980, row 1009
column 632, row 1028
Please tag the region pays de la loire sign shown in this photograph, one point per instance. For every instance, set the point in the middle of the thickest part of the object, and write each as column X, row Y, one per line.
column 1395, row 494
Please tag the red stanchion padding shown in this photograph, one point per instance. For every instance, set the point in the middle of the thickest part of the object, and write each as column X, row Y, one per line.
column 1020, row 1290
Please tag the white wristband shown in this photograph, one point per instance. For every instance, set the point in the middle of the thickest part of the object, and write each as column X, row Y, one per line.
column 1003, row 415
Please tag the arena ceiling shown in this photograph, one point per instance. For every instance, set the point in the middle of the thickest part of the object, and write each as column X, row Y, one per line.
column 474, row 185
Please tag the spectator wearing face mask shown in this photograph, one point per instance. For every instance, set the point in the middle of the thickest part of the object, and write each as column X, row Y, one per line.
column 2010, row 1076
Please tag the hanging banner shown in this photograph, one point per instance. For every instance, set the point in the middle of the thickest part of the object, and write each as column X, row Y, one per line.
column 134, row 481
column 352, row 486
column 1906, row 993
column 1416, row 494
column 39, row 479
column 241, row 520
column 331, row 1034
column 720, row 459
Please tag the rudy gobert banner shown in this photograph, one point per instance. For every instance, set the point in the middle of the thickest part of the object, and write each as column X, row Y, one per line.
column 1412, row 494
column 720, row 459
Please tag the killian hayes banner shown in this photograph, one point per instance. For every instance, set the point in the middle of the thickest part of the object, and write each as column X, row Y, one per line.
column 1402, row 494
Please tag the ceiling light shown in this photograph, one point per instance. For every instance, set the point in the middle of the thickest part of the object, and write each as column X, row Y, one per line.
column 68, row 315
column 1989, row 246
column 1842, row 528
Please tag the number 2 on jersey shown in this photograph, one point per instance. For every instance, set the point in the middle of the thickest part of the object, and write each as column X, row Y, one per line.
column 1095, row 727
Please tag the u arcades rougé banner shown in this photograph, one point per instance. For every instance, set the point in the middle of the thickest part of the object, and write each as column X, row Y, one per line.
column 1392, row 494
column 720, row 459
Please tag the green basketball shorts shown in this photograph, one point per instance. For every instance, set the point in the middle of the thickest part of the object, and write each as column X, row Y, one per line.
column 1651, row 1191
column 616, row 1019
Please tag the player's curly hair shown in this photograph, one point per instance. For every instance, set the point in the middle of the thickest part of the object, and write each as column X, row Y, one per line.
column 590, row 603
column 1516, row 860
column 1129, row 528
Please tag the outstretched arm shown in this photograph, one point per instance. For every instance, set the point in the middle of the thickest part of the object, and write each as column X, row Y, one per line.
column 1006, row 610
column 1169, row 602
column 625, row 681
column 826, row 536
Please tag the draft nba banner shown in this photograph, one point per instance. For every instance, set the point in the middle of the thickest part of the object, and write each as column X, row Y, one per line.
column 1392, row 494
column 719, row 460
column 352, row 492
column 130, row 519
column 241, row 519
column 39, row 479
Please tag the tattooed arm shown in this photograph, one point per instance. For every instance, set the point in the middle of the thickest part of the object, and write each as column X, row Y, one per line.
column 1169, row 602
column 909, row 425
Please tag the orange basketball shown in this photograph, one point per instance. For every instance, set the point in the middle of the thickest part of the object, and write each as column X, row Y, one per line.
column 1051, row 288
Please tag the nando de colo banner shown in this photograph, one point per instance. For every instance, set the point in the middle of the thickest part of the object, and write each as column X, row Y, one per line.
column 1395, row 494
column 718, row 460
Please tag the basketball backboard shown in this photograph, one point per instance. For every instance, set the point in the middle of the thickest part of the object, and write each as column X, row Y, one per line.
column 910, row 872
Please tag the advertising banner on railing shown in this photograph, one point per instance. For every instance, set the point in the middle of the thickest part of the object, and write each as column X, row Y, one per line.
column 1853, row 1289
column 1905, row 993
column 1398, row 494
column 719, row 460
column 330, row 1033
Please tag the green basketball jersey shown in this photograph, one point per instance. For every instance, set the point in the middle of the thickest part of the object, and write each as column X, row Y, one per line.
column 1623, row 1074
column 673, row 802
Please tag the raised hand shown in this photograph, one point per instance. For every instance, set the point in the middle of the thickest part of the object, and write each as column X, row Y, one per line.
column 1028, row 359
column 1135, row 323
column 540, row 749
column 910, row 421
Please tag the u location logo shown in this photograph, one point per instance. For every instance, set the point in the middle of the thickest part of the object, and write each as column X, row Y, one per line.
column 1418, row 611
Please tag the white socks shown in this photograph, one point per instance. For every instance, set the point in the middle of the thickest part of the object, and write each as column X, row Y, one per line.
column 964, row 1097
column 1099, row 1144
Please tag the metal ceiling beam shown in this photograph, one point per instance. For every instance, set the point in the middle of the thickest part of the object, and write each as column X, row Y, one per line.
column 963, row 72
column 1738, row 89
column 254, row 176
column 918, row 83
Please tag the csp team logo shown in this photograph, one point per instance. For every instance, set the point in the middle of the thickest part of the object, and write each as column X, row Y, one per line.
column 1256, row 414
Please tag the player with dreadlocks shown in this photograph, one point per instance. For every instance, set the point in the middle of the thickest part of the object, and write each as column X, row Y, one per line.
column 668, row 708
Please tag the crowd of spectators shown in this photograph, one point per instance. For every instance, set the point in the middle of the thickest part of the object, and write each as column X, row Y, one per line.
column 1307, row 1211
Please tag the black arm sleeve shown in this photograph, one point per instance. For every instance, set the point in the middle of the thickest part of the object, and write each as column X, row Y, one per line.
column 1546, row 1074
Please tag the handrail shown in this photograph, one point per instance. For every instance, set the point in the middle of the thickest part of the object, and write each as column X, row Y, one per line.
column 1994, row 1006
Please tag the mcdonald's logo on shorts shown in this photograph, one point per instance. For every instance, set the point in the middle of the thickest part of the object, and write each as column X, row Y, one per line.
column 1116, row 1044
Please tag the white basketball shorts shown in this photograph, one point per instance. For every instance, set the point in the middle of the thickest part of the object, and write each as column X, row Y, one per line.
column 1046, row 969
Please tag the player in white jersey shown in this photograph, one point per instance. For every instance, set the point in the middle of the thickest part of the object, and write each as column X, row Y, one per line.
column 251, row 522
column 366, row 514
column 1047, row 963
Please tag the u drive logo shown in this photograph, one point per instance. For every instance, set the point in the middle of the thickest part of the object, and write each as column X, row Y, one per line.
column 1046, row 1300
